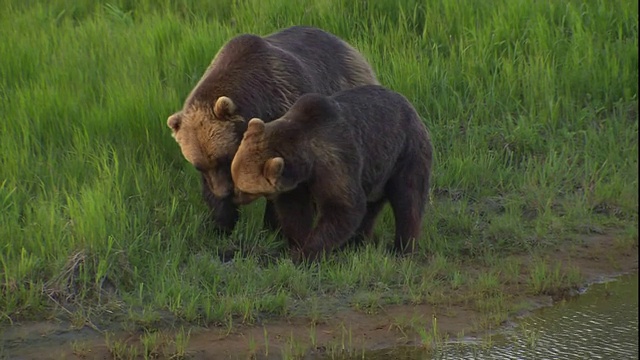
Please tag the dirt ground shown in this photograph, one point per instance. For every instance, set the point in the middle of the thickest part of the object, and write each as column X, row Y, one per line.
column 598, row 258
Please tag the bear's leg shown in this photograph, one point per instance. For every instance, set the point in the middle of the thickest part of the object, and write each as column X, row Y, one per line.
column 295, row 214
column 407, row 192
column 365, row 231
column 223, row 212
column 336, row 225
column 270, row 218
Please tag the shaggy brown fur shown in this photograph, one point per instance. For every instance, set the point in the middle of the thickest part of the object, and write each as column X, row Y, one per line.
column 348, row 155
column 253, row 76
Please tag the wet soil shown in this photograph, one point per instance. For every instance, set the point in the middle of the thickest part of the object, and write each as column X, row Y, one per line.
column 597, row 258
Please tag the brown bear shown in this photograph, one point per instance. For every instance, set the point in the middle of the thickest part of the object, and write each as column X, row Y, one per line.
column 346, row 155
column 253, row 76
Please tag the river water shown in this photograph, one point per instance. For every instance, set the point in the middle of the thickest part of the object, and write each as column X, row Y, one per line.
column 602, row 323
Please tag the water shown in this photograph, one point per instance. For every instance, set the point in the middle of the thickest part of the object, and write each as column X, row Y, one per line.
column 600, row 324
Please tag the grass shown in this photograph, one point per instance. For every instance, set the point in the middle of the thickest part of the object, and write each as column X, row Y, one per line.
column 532, row 107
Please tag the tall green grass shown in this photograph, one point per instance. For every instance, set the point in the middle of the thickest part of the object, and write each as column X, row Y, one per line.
column 532, row 107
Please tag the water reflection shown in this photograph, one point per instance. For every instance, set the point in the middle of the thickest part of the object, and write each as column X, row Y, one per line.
column 600, row 324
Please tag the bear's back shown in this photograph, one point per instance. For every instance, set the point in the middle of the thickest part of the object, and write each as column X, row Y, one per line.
column 386, row 129
column 377, row 108
column 264, row 76
column 330, row 62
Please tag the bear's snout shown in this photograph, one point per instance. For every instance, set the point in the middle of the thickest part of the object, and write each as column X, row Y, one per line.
column 243, row 198
column 219, row 186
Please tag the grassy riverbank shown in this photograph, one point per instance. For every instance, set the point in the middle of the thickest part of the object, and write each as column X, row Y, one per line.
column 532, row 107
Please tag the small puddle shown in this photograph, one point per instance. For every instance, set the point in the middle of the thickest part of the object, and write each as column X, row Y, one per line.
column 602, row 323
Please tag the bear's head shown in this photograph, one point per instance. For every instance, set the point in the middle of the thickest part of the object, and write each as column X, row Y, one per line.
column 257, row 169
column 208, row 139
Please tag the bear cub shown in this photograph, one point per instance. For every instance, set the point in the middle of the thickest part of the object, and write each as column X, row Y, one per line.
column 343, row 157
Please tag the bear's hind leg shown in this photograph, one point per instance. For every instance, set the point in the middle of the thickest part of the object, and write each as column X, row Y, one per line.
column 407, row 192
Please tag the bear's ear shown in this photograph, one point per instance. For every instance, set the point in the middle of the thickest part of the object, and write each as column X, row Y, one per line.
column 174, row 121
column 255, row 126
column 273, row 169
column 224, row 108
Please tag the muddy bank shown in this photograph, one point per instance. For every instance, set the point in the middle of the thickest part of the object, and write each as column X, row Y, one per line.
column 346, row 332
